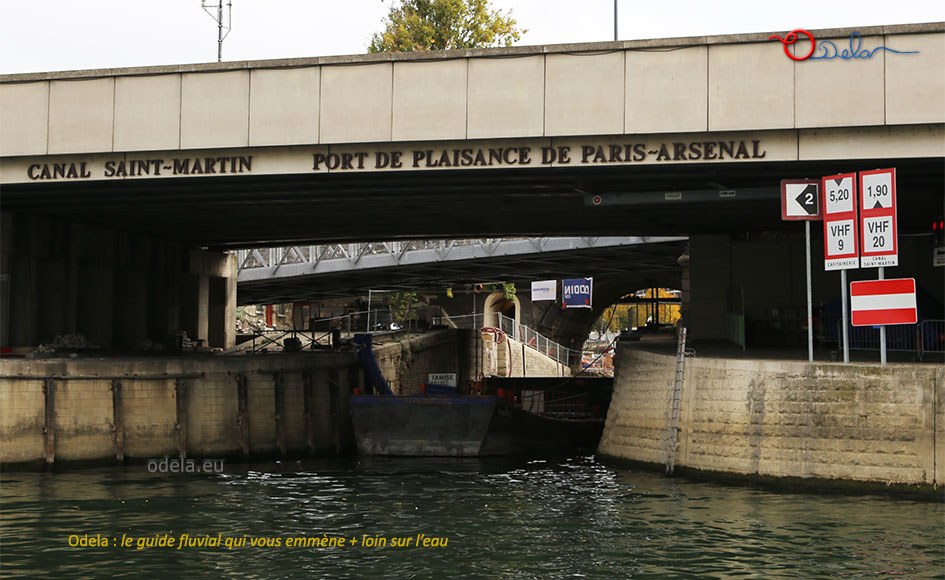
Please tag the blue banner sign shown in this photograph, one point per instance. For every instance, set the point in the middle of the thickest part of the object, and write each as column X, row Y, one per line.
column 577, row 292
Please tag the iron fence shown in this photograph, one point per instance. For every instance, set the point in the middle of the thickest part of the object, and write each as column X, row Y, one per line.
column 288, row 340
column 375, row 320
column 932, row 336
column 925, row 337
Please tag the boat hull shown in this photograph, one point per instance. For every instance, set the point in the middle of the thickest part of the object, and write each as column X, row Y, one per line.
column 460, row 426
column 514, row 430
column 421, row 426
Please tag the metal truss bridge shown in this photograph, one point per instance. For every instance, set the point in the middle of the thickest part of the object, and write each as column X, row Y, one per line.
column 298, row 273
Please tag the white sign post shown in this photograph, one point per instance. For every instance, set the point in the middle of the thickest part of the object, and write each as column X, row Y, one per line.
column 841, row 250
column 800, row 200
column 878, row 228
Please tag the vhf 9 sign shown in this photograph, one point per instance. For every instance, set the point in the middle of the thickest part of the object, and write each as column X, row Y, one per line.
column 840, row 239
column 874, row 235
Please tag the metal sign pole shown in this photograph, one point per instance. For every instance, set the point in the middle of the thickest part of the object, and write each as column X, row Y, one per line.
column 810, row 314
column 882, row 329
column 845, row 315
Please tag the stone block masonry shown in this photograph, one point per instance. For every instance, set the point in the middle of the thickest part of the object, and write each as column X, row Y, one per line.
column 65, row 411
column 782, row 419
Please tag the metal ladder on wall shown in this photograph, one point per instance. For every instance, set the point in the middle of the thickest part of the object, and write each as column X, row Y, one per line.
column 673, row 428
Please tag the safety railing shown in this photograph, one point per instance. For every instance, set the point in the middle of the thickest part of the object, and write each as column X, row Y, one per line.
column 932, row 336
column 378, row 320
column 926, row 337
column 529, row 337
column 289, row 340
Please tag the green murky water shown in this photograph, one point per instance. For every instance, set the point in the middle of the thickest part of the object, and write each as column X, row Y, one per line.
column 569, row 517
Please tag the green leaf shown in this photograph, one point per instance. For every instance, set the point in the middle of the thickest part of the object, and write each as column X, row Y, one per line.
column 417, row 25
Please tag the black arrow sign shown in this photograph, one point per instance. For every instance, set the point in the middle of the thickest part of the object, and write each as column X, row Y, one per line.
column 807, row 199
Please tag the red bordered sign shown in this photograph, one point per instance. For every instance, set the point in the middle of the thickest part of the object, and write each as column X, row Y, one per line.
column 879, row 231
column 874, row 302
column 841, row 249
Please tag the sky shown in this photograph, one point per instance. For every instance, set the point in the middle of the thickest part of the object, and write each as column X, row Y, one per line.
column 56, row 35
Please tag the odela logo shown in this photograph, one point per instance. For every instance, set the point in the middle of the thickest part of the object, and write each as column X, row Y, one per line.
column 827, row 50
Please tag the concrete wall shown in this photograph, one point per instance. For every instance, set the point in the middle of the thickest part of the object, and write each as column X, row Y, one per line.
column 112, row 409
column 782, row 419
column 723, row 83
column 112, row 287
column 528, row 362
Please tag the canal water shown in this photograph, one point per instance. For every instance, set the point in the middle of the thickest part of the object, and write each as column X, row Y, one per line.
column 522, row 518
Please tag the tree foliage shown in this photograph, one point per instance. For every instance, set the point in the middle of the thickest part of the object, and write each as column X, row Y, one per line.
column 401, row 305
column 415, row 25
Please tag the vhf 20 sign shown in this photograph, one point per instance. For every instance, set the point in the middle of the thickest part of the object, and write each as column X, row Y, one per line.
column 879, row 231
column 874, row 235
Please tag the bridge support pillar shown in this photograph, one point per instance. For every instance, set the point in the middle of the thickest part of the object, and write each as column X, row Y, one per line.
column 211, row 294
column 113, row 288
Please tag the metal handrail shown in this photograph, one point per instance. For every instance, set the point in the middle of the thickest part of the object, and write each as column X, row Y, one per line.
column 353, row 321
column 267, row 337
column 520, row 332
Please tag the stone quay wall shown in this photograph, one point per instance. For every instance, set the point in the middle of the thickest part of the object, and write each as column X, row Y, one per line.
column 55, row 411
column 782, row 419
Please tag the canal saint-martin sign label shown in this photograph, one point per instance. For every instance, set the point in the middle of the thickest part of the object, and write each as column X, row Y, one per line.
column 840, row 224
column 730, row 147
column 878, row 228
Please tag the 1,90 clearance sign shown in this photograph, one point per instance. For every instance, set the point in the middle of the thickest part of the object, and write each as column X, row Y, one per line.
column 870, row 239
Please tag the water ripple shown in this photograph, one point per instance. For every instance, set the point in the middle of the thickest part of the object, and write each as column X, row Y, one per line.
column 523, row 518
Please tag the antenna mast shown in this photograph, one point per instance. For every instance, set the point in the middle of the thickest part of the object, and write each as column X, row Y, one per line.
column 207, row 5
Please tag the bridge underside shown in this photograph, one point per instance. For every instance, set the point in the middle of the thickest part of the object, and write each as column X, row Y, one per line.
column 652, row 264
column 282, row 210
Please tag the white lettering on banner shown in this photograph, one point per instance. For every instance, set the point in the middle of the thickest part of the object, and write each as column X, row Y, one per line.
column 572, row 289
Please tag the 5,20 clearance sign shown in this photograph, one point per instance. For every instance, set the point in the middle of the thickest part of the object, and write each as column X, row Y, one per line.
column 840, row 239
column 869, row 240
